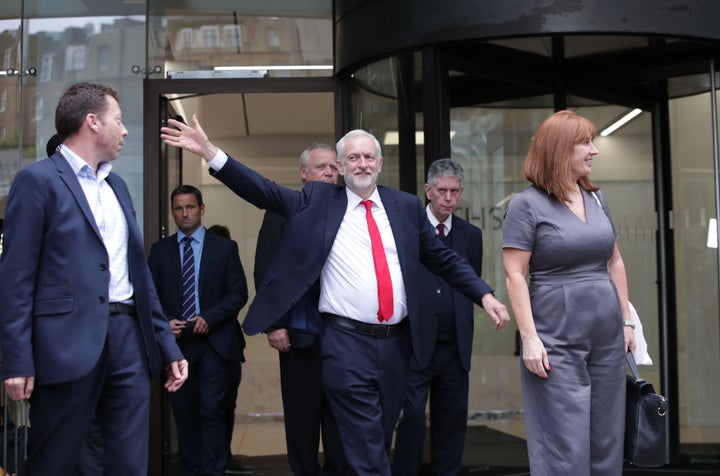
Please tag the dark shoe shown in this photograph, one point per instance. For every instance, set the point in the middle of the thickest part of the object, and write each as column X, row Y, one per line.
column 235, row 466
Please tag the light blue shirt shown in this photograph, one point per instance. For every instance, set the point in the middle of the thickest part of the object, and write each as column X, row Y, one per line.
column 198, row 238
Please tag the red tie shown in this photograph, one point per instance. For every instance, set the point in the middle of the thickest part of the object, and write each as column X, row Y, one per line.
column 382, row 272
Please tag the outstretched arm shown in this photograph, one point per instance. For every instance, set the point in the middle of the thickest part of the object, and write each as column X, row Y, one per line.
column 193, row 139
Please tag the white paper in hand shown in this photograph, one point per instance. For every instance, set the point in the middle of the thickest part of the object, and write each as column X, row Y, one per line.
column 640, row 353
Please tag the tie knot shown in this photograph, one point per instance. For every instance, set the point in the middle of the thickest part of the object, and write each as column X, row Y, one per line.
column 367, row 204
column 187, row 240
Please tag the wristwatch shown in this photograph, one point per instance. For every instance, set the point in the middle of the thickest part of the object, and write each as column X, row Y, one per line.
column 629, row 324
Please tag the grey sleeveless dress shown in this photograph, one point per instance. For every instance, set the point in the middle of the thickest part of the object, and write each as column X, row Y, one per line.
column 575, row 418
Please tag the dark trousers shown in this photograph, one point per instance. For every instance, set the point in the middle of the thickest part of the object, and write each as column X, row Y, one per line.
column 307, row 412
column 231, row 403
column 200, row 410
column 91, row 456
column 447, row 383
column 365, row 379
column 117, row 390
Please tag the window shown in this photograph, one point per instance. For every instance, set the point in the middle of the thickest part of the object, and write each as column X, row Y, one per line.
column 46, row 65
column 104, row 58
column 39, row 107
column 210, row 36
column 75, row 58
column 273, row 37
column 184, row 39
column 232, row 36
column 3, row 100
column 7, row 59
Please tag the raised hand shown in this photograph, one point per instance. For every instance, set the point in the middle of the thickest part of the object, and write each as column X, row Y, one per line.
column 193, row 139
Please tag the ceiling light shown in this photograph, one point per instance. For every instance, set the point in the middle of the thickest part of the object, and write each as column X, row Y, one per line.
column 620, row 122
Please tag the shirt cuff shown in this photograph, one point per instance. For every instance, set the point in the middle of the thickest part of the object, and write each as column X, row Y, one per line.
column 217, row 162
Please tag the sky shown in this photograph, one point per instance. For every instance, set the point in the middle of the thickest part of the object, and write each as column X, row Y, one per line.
column 59, row 24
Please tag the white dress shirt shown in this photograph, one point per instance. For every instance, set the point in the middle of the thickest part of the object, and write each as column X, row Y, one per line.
column 435, row 222
column 348, row 286
column 110, row 221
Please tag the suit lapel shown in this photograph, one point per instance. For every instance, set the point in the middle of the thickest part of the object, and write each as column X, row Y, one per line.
column 396, row 219
column 125, row 202
column 204, row 260
column 174, row 249
column 335, row 214
column 458, row 231
column 71, row 181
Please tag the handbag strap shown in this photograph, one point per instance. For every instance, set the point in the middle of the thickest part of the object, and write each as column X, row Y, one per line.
column 633, row 366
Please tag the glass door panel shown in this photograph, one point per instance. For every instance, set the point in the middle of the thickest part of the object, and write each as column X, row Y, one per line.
column 10, row 98
column 491, row 144
column 196, row 39
column 696, row 268
column 99, row 42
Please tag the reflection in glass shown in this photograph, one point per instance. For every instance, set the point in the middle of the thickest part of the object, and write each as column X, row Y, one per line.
column 49, row 54
column 696, row 269
column 264, row 37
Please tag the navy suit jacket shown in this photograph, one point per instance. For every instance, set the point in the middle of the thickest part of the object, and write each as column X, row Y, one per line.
column 303, row 321
column 466, row 239
column 222, row 289
column 55, row 279
column 314, row 216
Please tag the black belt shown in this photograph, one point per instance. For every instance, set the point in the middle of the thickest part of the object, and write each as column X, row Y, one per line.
column 121, row 308
column 374, row 330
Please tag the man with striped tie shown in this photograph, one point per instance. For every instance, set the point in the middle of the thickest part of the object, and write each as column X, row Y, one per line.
column 202, row 287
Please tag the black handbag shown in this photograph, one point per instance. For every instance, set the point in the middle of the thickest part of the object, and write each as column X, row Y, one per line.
column 646, row 422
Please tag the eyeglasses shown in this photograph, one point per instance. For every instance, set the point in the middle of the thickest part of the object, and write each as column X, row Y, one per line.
column 354, row 158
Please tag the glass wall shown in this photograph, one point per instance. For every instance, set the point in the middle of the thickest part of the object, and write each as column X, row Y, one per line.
column 375, row 108
column 491, row 142
column 204, row 39
column 46, row 48
column 696, row 267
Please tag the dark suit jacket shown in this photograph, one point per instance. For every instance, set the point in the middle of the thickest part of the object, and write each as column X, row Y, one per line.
column 296, row 321
column 467, row 241
column 222, row 289
column 314, row 216
column 55, row 279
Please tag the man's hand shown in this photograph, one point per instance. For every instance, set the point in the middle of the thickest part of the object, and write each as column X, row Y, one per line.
column 201, row 327
column 177, row 326
column 19, row 388
column 279, row 339
column 496, row 310
column 177, row 373
column 192, row 139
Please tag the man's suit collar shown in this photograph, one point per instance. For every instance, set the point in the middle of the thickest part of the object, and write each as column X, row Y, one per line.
column 67, row 175
column 397, row 221
column 449, row 221
column 198, row 235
